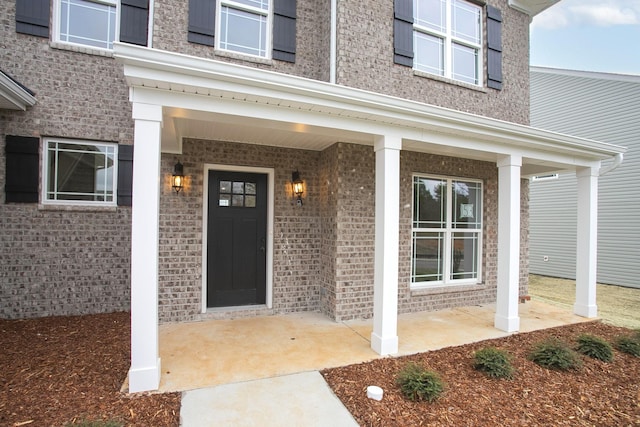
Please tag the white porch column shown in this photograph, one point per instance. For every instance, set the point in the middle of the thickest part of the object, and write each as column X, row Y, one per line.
column 507, row 318
column 144, row 373
column 384, row 338
column 587, row 239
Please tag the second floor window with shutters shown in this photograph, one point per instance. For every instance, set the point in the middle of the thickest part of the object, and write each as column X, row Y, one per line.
column 244, row 26
column 447, row 38
column 86, row 22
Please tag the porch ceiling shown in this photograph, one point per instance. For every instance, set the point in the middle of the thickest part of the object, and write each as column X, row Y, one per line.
column 213, row 100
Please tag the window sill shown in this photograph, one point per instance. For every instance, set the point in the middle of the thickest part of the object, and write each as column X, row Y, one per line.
column 76, row 208
column 446, row 289
column 81, row 49
column 243, row 57
column 449, row 81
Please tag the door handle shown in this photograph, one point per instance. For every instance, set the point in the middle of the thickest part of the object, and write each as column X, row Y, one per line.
column 262, row 247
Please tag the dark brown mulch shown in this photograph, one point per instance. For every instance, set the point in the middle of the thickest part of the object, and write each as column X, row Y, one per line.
column 60, row 371
column 599, row 394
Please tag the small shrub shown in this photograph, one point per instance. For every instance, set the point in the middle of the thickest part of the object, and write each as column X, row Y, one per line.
column 494, row 362
column 555, row 354
column 417, row 383
column 629, row 344
column 595, row 347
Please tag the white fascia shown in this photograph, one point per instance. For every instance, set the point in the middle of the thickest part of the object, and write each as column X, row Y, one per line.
column 172, row 74
column 13, row 96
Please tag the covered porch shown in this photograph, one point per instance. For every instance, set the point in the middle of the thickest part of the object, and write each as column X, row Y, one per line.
column 176, row 97
column 215, row 352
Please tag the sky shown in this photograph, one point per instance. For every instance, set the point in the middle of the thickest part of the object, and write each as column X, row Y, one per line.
column 588, row 35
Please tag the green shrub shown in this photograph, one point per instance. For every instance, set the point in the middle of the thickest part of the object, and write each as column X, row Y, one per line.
column 552, row 353
column 595, row 347
column 417, row 383
column 494, row 362
column 629, row 344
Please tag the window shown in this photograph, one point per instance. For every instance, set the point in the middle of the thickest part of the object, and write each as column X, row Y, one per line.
column 244, row 26
column 86, row 22
column 448, row 39
column 80, row 172
column 447, row 231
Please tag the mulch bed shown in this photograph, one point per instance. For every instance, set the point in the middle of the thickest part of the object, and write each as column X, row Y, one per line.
column 63, row 371
column 599, row 394
column 60, row 371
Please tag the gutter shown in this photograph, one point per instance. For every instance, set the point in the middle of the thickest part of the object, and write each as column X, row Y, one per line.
column 617, row 161
column 332, row 42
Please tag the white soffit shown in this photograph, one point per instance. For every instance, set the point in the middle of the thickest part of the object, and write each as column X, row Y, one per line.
column 244, row 103
column 14, row 96
column 532, row 7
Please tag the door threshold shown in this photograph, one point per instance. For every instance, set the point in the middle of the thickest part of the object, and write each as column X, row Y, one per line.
column 235, row 312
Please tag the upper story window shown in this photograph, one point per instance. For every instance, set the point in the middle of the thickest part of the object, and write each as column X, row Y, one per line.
column 86, row 22
column 448, row 39
column 245, row 26
column 447, row 231
column 91, row 25
column 80, row 172
column 264, row 29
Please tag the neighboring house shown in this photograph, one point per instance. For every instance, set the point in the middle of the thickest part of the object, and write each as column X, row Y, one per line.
column 604, row 107
column 404, row 123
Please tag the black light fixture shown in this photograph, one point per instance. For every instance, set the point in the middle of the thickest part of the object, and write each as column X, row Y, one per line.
column 297, row 186
column 177, row 180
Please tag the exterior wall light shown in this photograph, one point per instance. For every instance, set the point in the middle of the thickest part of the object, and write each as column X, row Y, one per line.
column 297, row 186
column 177, row 180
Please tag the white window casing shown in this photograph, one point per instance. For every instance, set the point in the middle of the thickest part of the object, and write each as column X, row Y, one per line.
column 77, row 172
column 245, row 27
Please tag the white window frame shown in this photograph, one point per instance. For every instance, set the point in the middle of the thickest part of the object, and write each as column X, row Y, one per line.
column 449, row 40
column 448, row 231
column 268, row 13
column 45, row 173
column 57, row 22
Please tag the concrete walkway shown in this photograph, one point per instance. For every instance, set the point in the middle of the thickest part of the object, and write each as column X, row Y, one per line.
column 263, row 371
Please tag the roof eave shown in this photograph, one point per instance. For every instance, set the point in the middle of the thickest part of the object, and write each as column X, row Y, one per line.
column 532, row 7
column 152, row 68
column 14, row 95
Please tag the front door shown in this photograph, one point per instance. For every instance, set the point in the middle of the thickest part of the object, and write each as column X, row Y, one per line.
column 236, row 239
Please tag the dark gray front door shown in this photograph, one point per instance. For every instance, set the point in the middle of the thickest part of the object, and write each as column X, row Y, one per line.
column 236, row 239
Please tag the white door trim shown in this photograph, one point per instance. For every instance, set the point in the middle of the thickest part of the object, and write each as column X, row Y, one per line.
column 270, row 172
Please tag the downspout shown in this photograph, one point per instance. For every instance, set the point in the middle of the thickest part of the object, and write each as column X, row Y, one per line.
column 617, row 161
column 332, row 42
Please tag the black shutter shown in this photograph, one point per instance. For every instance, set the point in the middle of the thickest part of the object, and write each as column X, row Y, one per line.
column 22, row 171
column 134, row 21
column 403, row 32
column 32, row 17
column 284, row 30
column 202, row 20
column 494, row 48
column 125, row 174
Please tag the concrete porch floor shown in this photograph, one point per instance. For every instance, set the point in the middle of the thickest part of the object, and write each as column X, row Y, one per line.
column 209, row 353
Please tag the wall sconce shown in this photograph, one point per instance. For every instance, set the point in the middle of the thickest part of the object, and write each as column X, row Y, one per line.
column 177, row 180
column 297, row 186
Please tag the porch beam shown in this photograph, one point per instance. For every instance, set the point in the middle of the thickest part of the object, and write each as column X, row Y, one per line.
column 506, row 318
column 587, row 239
column 144, row 373
column 384, row 338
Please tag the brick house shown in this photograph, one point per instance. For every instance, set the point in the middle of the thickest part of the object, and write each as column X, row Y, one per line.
column 404, row 122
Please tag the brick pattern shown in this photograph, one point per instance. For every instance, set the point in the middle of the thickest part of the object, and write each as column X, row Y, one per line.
column 296, row 248
column 365, row 61
column 62, row 262
column 171, row 19
column 410, row 301
column 77, row 261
